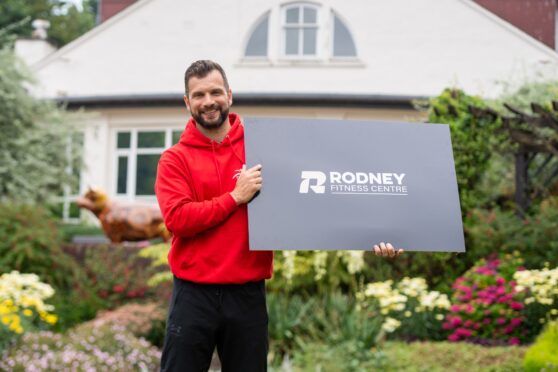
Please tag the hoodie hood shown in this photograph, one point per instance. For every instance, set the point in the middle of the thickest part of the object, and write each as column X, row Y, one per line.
column 194, row 138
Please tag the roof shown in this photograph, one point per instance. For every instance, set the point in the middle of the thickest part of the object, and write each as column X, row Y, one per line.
column 406, row 49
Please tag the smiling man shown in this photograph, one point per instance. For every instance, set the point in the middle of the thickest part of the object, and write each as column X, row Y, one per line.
column 203, row 188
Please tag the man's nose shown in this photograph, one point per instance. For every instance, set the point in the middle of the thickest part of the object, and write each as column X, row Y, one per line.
column 208, row 100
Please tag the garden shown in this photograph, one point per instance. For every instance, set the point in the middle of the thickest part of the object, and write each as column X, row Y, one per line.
column 67, row 306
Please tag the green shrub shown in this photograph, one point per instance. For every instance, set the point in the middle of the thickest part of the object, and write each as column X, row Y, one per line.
column 117, row 274
column 543, row 355
column 30, row 243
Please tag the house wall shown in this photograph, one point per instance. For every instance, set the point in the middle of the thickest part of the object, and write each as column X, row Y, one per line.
column 101, row 127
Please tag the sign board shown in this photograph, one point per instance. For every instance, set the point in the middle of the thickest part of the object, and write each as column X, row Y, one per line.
column 347, row 185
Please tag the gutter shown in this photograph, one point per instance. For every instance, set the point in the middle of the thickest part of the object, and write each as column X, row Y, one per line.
column 247, row 99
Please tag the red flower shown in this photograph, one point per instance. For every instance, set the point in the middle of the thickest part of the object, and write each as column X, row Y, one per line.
column 118, row 288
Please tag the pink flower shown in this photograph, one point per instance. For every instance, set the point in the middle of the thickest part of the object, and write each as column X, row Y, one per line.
column 464, row 332
column 455, row 308
column 469, row 309
column 486, row 321
column 500, row 281
column 516, row 321
column 468, row 323
column 509, row 329
column 516, row 305
column 513, row 341
column 456, row 321
column 501, row 321
column 447, row 326
column 453, row 337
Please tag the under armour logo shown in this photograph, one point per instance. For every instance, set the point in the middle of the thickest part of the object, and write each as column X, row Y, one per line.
column 318, row 177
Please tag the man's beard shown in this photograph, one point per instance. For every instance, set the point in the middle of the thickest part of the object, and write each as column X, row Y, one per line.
column 223, row 115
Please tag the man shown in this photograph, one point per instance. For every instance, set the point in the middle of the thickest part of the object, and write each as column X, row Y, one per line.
column 203, row 188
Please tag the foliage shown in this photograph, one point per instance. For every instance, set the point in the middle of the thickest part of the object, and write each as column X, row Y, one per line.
column 409, row 310
column 296, row 323
column 473, row 141
column 158, row 254
column 541, row 92
column 116, row 273
column 444, row 356
column 344, row 356
column 22, row 306
column 68, row 231
column 288, row 316
column 35, row 135
column 76, row 305
column 535, row 236
column 85, row 348
column 321, row 271
column 30, row 244
column 486, row 308
column 543, row 355
column 67, row 21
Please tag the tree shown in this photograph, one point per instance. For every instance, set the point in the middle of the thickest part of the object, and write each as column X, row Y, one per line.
column 67, row 22
column 34, row 138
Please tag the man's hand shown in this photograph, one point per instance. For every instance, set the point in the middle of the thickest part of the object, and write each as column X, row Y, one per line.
column 249, row 182
column 387, row 250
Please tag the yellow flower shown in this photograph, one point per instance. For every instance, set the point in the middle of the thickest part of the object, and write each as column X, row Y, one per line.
column 439, row 317
column 408, row 314
column 27, row 312
column 6, row 319
column 51, row 319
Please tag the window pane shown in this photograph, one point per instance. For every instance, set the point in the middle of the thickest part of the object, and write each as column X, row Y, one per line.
column 291, row 47
column 309, row 41
column 123, row 140
column 176, row 136
column 151, row 139
column 343, row 44
column 122, row 175
column 292, row 15
column 145, row 175
column 257, row 45
column 310, row 15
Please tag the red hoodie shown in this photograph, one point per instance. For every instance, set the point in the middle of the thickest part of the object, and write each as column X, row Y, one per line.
column 210, row 232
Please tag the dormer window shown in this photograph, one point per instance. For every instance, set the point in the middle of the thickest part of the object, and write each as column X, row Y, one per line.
column 300, row 29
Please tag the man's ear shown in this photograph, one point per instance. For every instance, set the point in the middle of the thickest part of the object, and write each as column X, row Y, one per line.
column 187, row 102
column 230, row 97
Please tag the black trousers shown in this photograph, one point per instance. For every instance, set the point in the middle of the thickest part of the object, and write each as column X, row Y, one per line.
column 231, row 317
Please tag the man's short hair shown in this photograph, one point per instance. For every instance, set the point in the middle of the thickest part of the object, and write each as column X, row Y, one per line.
column 201, row 69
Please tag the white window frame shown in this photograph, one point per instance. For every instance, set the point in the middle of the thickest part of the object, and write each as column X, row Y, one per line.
column 319, row 25
column 132, row 154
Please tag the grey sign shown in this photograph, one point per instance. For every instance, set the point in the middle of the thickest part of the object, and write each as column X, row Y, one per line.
column 346, row 185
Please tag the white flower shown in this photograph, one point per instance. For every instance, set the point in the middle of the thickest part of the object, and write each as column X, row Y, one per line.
column 390, row 325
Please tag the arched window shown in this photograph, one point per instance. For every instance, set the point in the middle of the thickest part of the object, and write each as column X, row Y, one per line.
column 257, row 44
column 343, row 44
column 300, row 30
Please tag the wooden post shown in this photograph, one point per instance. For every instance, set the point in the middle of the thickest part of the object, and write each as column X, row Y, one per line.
column 521, row 183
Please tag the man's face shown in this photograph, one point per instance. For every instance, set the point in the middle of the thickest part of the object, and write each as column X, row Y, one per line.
column 208, row 100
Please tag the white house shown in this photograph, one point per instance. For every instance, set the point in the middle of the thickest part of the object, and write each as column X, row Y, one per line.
column 352, row 59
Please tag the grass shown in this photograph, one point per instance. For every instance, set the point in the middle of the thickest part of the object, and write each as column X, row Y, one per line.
column 455, row 357
column 412, row 357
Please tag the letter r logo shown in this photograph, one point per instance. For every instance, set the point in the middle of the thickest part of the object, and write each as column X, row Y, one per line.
column 307, row 176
